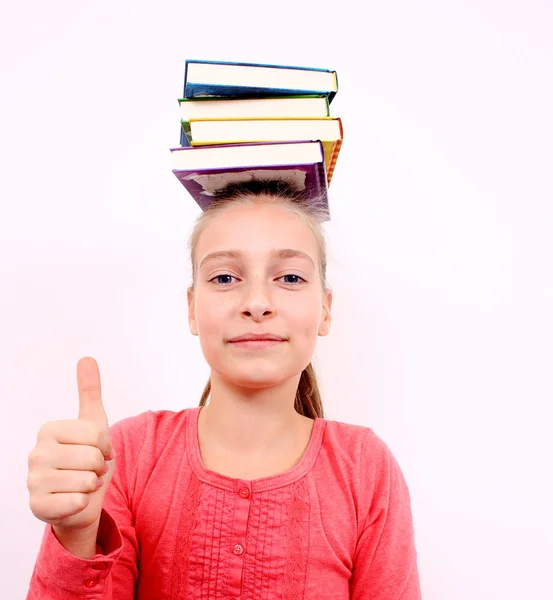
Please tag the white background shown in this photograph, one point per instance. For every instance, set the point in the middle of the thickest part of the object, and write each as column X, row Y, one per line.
column 440, row 248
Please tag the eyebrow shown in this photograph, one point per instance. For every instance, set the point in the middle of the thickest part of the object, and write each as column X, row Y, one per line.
column 282, row 253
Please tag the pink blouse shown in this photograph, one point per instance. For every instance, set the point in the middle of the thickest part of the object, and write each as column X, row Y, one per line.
column 336, row 526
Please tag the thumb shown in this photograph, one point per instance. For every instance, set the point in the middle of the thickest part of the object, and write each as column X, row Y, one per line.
column 91, row 407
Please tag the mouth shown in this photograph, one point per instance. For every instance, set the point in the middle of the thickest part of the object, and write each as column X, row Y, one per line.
column 256, row 340
column 256, row 343
column 247, row 337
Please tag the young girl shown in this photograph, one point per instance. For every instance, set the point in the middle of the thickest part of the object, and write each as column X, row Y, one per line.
column 253, row 495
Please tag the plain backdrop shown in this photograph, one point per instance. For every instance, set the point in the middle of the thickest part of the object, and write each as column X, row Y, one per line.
column 440, row 248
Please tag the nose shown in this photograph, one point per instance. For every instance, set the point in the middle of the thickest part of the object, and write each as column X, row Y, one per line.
column 257, row 301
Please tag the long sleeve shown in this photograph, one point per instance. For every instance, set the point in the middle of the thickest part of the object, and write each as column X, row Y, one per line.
column 112, row 573
column 385, row 560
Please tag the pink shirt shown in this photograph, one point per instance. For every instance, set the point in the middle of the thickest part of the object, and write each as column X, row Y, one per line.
column 336, row 526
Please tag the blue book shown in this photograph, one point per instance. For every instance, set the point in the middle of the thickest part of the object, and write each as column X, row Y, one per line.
column 204, row 78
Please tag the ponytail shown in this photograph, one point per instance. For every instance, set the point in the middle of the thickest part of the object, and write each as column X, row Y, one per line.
column 308, row 396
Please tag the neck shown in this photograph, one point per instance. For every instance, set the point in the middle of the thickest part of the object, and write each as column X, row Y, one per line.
column 244, row 420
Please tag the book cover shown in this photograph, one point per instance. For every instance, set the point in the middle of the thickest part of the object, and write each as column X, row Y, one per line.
column 203, row 182
column 197, row 89
column 184, row 141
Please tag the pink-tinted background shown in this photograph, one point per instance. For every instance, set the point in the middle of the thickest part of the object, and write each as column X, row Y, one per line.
column 441, row 248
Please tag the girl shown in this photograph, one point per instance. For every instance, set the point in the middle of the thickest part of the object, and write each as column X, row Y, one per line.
column 253, row 495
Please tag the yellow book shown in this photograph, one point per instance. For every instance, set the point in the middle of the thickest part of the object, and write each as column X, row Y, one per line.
column 202, row 132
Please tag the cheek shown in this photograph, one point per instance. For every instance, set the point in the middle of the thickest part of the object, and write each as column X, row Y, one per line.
column 212, row 313
column 304, row 316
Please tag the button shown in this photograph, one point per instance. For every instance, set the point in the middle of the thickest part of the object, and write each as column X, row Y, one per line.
column 90, row 582
column 245, row 493
column 238, row 549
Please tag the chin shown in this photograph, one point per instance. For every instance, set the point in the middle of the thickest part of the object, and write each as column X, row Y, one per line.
column 257, row 381
column 257, row 378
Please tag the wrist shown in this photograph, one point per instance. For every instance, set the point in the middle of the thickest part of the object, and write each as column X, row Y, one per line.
column 79, row 542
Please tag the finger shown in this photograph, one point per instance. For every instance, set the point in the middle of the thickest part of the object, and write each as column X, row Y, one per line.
column 80, row 458
column 62, row 481
column 72, row 431
column 91, row 407
column 56, row 507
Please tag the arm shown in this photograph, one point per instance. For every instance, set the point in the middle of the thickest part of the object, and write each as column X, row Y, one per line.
column 385, row 560
column 112, row 573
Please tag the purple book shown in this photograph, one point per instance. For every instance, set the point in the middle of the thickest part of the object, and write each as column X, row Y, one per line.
column 204, row 170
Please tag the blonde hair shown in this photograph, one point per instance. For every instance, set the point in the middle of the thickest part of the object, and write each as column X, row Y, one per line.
column 308, row 397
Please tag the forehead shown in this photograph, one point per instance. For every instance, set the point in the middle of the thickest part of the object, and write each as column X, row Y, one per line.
column 256, row 229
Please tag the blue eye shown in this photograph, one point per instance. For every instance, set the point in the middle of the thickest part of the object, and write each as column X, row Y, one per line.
column 294, row 282
column 218, row 279
column 220, row 276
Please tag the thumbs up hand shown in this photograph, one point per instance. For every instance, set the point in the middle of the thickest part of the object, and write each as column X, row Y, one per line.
column 71, row 466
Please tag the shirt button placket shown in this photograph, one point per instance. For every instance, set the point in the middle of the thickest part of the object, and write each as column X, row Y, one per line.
column 237, row 548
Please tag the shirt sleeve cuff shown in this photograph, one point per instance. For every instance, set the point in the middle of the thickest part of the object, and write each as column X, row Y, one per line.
column 78, row 575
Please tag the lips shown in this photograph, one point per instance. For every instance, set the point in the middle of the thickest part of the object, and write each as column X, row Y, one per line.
column 257, row 337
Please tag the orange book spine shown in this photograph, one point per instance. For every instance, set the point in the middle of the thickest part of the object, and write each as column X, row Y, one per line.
column 334, row 155
column 333, row 158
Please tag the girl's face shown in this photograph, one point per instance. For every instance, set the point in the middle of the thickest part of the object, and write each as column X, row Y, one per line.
column 257, row 272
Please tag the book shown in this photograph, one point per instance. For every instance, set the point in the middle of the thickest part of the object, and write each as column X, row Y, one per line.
column 254, row 108
column 199, row 132
column 234, row 79
column 204, row 170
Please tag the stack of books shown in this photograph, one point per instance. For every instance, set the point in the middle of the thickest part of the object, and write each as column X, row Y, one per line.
column 243, row 121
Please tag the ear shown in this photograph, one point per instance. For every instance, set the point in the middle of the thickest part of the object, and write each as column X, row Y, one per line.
column 324, row 326
column 191, row 313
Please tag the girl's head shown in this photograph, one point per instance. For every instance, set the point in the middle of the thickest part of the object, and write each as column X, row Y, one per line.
column 259, row 266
